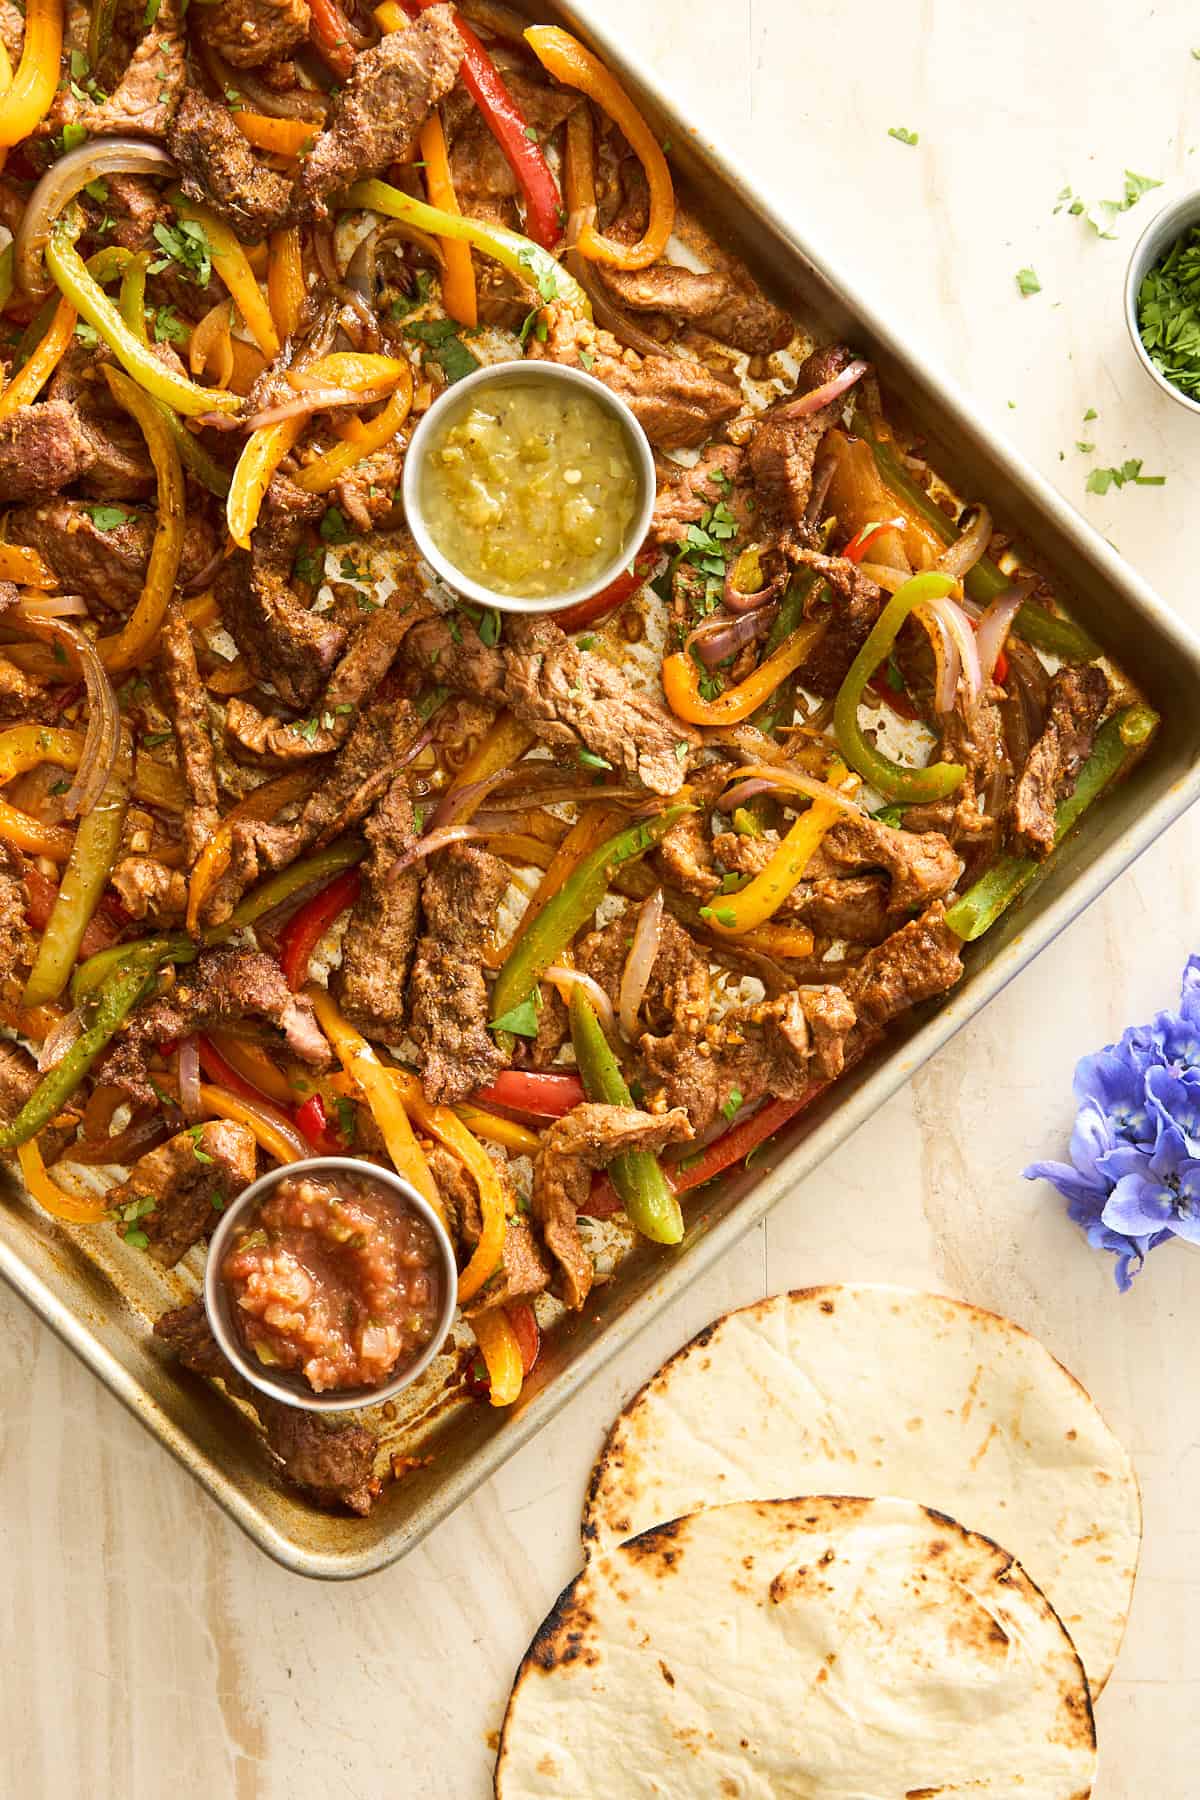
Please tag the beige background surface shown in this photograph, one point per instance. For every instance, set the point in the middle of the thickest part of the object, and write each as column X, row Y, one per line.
column 147, row 1649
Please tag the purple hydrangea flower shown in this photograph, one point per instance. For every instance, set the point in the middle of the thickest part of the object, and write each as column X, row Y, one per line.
column 1133, row 1181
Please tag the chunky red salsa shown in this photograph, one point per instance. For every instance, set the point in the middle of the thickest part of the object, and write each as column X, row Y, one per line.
column 335, row 1279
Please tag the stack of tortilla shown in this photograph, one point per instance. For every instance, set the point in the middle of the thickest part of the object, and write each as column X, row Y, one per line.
column 851, row 1543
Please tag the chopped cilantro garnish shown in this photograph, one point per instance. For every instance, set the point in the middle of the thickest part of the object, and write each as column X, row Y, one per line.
column 902, row 135
column 309, row 565
column 151, row 13
column 305, row 728
column 1169, row 314
column 1100, row 480
column 1084, row 449
column 333, row 528
column 490, row 627
column 87, row 334
column 541, row 270
column 1028, row 282
column 107, row 518
column 168, row 327
column 155, row 738
column 681, row 750
column 347, row 1116
column 196, row 1133
column 73, row 136
column 733, row 1105
column 585, row 642
column 59, row 787
column 521, row 1020
column 531, row 133
column 711, row 685
column 1090, row 414
column 590, row 760
column 890, row 815
column 186, row 244
column 587, row 359
column 443, row 344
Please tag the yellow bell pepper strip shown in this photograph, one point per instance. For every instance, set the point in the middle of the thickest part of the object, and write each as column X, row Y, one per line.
column 80, row 287
column 1118, row 742
column 192, row 454
column 265, row 449
column 7, row 256
column 379, row 1089
column 28, row 834
column 262, row 803
column 681, row 680
column 575, row 66
column 505, row 742
column 274, row 1134
column 28, row 99
column 637, row 1176
column 571, row 907
column 495, row 1130
column 29, row 381
column 751, row 906
column 28, row 568
column 282, row 137
column 93, row 855
column 137, row 637
column 891, row 779
column 72, row 1209
column 501, row 1351
column 458, row 274
column 523, row 259
column 128, row 979
column 318, row 476
column 353, row 369
column 231, row 264
column 131, row 302
column 211, row 342
column 441, row 1123
column 285, row 271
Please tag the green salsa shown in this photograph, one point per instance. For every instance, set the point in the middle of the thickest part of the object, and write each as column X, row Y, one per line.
column 530, row 489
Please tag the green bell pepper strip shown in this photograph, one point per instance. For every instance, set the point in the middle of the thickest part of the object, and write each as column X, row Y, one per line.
column 525, row 261
column 93, row 854
column 982, row 904
column 891, row 780
column 120, row 992
column 644, row 1190
column 148, row 954
column 279, row 888
column 192, row 454
column 572, row 906
column 76, row 282
column 1044, row 630
column 7, row 276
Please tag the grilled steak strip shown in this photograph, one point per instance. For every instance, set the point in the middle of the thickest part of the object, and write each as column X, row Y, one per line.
column 1078, row 697
column 189, row 716
column 190, row 1179
column 381, row 935
column 463, row 886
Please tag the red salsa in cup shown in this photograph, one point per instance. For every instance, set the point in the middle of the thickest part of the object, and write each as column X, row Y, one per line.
column 335, row 1279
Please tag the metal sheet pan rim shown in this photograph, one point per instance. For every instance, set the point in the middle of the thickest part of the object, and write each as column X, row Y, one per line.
column 846, row 1117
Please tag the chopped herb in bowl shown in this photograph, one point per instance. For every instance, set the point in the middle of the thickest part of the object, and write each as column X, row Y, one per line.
column 1168, row 313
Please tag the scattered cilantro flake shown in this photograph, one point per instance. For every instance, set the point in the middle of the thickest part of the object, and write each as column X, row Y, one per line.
column 151, row 13
column 155, row 738
column 333, row 528
column 59, row 787
column 305, row 728
column 1135, row 187
column 186, row 244
column 1028, row 282
column 587, row 359
column 531, row 133
column 1090, row 414
column 87, row 334
column 890, row 815
column 1084, row 449
column 347, row 1117
column 490, row 627
column 107, row 518
column 681, row 750
column 541, row 271
column 1100, row 480
column 79, row 64
column 442, row 344
column 711, row 686
column 902, row 135
column 521, row 1020
column 589, row 760
column 586, row 642
column 309, row 565
column 168, row 327
column 97, row 190
column 137, row 1240
column 733, row 1105
column 73, row 136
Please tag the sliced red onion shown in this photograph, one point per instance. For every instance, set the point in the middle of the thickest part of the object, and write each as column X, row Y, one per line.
column 189, row 1077
column 635, row 977
column 431, row 843
column 784, row 778
column 966, row 551
column 296, row 103
column 995, row 624
column 825, row 395
column 126, row 1146
column 739, row 599
column 51, row 606
column 314, row 401
column 198, row 583
column 57, row 1042
column 746, row 790
column 60, row 184
column 891, row 580
column 963, row 634
column 459, row 804
column 562, row 977
column 415, row 748
column 946, row 657
column 822, row 481
column 720, row 637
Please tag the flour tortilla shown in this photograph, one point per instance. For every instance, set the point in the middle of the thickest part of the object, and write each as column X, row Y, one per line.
column 882, row 1390
column 845, row 1649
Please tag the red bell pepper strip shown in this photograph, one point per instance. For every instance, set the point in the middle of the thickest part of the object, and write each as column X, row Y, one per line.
column 305, row 929
column 540, row 1095
column 603, row 1201
column 587, row 612
column 899, row 701
column 544, row 216
column 330, row 37
column 223, row 1074
column 103, row 928
column 862, row 540
column 525, row 1329
column 314, row 1124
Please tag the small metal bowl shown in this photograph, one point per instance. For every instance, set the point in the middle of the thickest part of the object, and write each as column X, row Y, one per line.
column 1162, row 231
column 534, row 374
column 283, row 1385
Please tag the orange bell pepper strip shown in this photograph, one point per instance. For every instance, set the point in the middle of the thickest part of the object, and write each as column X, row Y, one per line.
column 33, row 87
column 137, row 636
column 594, row 824
column 505, row 742
column 71, row 1208
column 263, row 803
column 496, row 1130
column 318, row 476
column 501, row 1350
column 232, row 265
column 571, row 63
column 285, row 277
column 330, row 37
column 750, row 907
column 458, row 273
column 211, row 338
column 29, row 381
column 681, row 680
column 441, row 1123
column 356, row 370
column 253, row 1064
column 26, row 567
column 265, row 449
column 283, row 137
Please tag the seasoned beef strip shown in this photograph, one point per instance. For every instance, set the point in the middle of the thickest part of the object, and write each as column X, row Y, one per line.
column 218, row 168
column 459, row 1196
column 524, row 1271
column 685, row 494
column 189, row 716
column 120, row 468
column 282, row 640
column 14, row 929
column 42, row 448
column 148, row 890
column 191, row 1179
column 364, row 665
column 249, row 33
column 921, row 866
column 458, row 658
column 728, row 308
column 462, row 888
column 677, row 401
column 784, row 447
column 587, row 1138
column 918, row 962
column 1078, row 697
column 381, row 934
column 137, row 208
column 390, row 92
column 333, row 1463
column 220, row 989
column 22, row 697
column 147, row 94
column 106, row 565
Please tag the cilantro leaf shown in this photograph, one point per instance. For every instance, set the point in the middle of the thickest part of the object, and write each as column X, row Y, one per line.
column 903, row 136
column 1028, row 282
column 186, row 244
column 522, row 1020
column 333, row 528
column 444, row 346
column 107, row 518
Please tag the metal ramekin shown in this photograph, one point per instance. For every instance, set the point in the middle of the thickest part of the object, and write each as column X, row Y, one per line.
column 1155, row 241
column 534, row 373
column 292, row 1389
